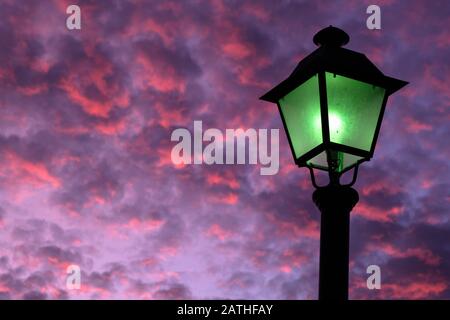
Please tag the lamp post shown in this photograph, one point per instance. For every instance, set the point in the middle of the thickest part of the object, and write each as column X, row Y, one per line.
column 332, row 106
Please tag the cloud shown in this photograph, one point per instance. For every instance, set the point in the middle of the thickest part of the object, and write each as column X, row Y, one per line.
column 86, row 176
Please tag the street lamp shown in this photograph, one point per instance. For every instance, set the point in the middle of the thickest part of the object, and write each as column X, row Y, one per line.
column 332, row 106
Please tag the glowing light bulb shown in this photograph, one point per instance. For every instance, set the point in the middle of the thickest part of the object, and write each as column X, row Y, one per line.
column 335, row 123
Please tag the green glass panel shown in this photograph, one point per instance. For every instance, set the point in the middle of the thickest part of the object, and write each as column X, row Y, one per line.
column 353, row 111
column 301, row 112
column 345, row 160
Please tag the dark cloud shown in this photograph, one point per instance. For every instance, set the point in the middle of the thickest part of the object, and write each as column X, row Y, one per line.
column 174, row 291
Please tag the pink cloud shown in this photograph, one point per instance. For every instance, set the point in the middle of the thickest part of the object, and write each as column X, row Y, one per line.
column 422, row 254
column 21, row 171
column 219, row 232
column 374, row 213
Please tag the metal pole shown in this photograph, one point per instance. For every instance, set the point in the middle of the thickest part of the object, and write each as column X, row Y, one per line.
column 335, row 203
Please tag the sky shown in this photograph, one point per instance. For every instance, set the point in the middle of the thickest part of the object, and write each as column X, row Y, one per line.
column 86, row 176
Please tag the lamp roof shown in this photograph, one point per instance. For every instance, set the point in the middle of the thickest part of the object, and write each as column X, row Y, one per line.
column 331, row 57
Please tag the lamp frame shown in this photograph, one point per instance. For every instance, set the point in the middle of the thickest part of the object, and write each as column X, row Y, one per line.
column 326, row 143
column 334, row 59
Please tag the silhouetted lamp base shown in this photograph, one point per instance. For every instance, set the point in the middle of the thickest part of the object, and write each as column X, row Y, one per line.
column 335, row 203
